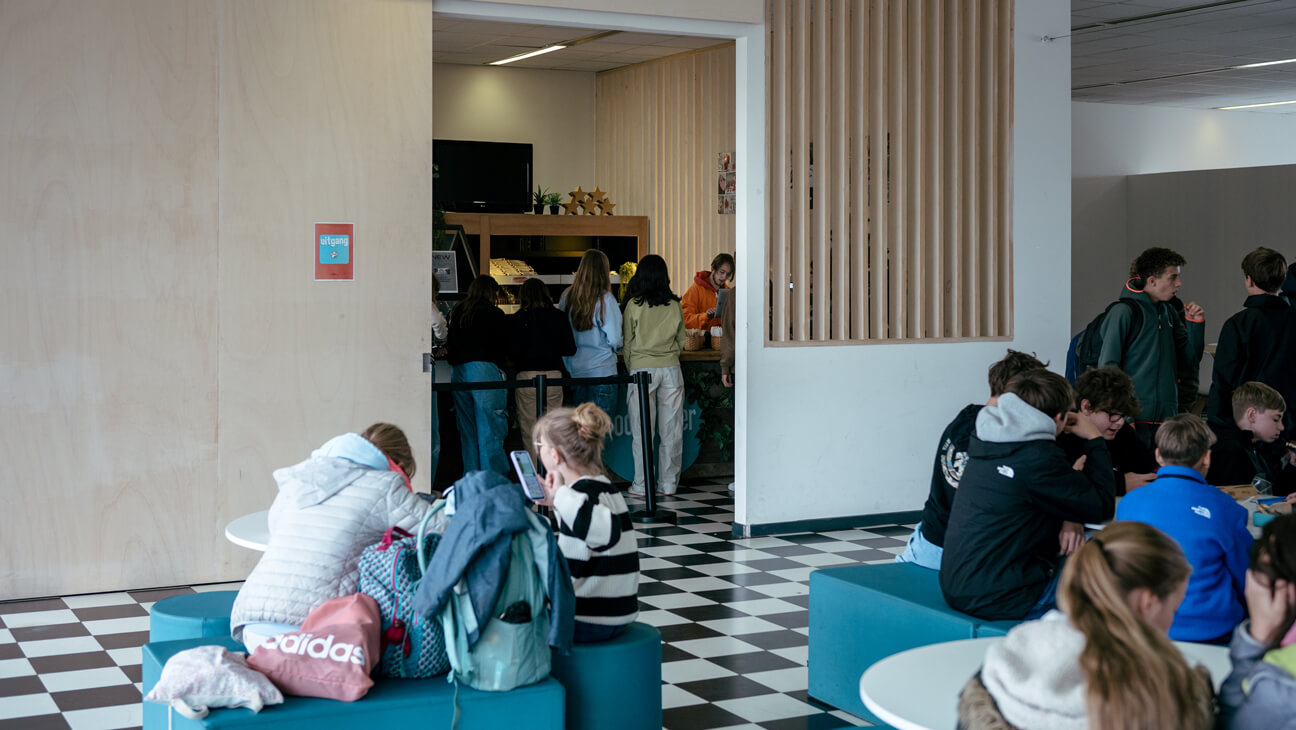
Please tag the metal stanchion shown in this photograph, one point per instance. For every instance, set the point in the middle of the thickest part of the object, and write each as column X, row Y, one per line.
column 650, row 512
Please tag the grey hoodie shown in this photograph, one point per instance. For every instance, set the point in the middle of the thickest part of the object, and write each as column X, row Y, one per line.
column 1013, row 419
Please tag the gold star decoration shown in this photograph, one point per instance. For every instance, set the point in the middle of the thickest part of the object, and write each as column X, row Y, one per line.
column 606, row 206
column 597, row 196
column 575, row 201
column 588, row 203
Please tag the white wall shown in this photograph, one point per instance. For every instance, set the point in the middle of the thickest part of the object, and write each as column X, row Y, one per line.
column 1112, row 141
column 840, row 431
column 552, row 110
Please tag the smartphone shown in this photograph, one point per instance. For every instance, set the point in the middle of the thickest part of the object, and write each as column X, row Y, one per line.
column 526, row 472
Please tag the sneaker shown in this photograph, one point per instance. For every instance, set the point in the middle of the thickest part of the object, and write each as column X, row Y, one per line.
column 633, row 492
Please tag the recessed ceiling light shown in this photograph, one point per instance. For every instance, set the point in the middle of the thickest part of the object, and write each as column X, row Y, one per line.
column 530, row 54
column 1253, row 106
column 1267, row 63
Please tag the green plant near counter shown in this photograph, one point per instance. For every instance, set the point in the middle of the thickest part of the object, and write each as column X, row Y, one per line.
column 703, row 386
column 626, row 272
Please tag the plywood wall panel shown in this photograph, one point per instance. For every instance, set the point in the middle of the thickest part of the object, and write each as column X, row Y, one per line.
column 108, row 200
column 326, row 115
column 658, row 128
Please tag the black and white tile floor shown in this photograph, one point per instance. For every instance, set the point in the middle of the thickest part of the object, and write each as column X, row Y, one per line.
column 732, row 613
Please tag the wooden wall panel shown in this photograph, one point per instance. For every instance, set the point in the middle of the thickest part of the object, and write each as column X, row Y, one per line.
column 658, row 128
column 889, row 126
column 108, row 198
column 326, row 115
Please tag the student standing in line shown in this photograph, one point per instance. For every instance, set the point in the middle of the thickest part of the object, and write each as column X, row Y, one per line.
column 928, row 539
column 1103, row 661
column 477, row 350
column 1258, row 343
column 654, row 338
column 539, row 339
column 1260, row 692
column 1163, row 341
column 1209, row 526
column 596, row 327
column 700, row 310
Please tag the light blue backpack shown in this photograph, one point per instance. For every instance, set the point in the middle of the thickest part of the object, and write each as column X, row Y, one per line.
column 512, row 649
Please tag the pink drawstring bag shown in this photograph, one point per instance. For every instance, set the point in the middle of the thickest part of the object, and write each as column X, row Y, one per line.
column 330, row 656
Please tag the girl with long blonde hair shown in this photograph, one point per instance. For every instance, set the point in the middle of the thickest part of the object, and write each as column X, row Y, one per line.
column 1104, row 660
column 596, row 326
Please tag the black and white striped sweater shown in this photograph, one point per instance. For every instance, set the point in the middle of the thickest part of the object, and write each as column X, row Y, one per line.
column 599, row 541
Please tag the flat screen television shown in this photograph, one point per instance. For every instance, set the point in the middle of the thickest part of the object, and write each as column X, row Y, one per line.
column 482, row 177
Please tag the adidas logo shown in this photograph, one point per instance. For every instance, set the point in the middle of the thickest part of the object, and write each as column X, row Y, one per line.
column 321, row 647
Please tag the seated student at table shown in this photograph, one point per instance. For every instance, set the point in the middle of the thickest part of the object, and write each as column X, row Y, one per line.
column 928, row 538
column 1260, row 692
column 1250, row 448
column 1002, row 549
column 1104, row 660
column 330, row 507
column 1209, row 526
column 1106, row 396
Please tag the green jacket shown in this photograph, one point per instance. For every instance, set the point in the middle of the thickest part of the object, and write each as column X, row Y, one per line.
column 654, row 336
column 1165, row 340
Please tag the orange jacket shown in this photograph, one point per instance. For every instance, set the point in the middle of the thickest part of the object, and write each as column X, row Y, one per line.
column 697, row 300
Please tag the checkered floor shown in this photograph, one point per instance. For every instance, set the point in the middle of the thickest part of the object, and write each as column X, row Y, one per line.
column 732, row 613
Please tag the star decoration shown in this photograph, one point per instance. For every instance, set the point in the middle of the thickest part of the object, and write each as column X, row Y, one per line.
column 606, row 206
column 587, row 205
column 597, row 196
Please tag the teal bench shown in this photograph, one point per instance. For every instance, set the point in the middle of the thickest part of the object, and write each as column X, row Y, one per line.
column 860, row 614
column 191, row 616
column 391, row 703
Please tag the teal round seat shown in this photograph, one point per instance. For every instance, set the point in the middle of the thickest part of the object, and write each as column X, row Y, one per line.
column 616, row 682
column 191, row 616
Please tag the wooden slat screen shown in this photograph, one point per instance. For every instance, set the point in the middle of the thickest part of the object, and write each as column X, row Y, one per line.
column 890, row 212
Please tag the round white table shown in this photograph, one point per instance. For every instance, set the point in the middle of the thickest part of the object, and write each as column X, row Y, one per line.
column 250, row 531
column 918, row 689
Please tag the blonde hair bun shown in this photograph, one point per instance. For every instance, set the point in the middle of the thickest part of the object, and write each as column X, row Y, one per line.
column 592, row 422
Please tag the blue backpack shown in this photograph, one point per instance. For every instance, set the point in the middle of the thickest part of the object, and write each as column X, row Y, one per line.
column 412, row 647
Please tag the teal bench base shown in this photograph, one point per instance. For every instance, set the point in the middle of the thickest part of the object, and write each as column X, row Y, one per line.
column 391, row 703
column 615, row 682
column 860, row 614
column 191, row 616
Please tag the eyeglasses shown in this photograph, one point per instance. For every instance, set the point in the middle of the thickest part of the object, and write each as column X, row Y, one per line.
column 1114, row 417
column 538, row 444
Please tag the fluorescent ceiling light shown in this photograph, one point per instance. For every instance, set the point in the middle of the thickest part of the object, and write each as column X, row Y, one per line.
column 1253, row 106
column 530, row 54
column 1267, row 63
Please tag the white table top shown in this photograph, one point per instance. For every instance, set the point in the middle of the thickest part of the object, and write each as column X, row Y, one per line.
column 250, row 531
column 892, row 690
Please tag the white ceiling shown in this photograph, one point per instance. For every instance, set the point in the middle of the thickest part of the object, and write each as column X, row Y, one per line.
column 1183, row 54
column 1162, row 52
column 475, row 42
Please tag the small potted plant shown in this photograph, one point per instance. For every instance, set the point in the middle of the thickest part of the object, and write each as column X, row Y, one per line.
column 552, row 200
column 538, row 199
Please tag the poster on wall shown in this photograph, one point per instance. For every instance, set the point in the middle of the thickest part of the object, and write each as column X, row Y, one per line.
column 446, row 271
column 334, row 252
column 726, row 179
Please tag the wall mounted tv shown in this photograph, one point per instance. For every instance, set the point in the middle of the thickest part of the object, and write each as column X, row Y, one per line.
column 482, row 177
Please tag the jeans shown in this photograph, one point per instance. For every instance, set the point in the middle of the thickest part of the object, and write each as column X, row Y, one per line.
column 1048, row 601
column 603, row 396
column 920, row 551
column 590, row 633
column 482, row 416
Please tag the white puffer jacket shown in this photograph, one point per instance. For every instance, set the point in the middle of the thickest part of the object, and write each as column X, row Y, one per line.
column 327, row 512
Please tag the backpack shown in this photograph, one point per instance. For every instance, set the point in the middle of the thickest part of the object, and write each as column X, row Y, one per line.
column 512, row 649
column 1086, row 346
column 413, row 647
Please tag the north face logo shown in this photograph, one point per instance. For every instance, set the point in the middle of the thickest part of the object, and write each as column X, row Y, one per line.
column 1006, row 471
column 321, row 647
column 1202, row 511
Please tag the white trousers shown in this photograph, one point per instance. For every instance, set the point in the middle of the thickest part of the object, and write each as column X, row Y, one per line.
column 666, row 404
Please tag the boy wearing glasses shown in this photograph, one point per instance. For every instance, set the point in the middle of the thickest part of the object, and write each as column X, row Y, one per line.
column 1105, row 397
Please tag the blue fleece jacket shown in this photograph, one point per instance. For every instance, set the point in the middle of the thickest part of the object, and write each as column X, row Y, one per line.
column 1211, row 529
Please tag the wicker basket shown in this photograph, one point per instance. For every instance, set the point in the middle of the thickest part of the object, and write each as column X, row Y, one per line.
column 693, row 340
column 717, row 343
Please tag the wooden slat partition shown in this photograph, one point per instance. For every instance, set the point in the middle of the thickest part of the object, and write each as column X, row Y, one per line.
column 890, row 125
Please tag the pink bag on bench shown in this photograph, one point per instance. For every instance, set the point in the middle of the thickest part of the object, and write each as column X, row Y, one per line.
column 331, row 656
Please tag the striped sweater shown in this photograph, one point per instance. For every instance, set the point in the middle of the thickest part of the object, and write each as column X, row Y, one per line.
column 598, row 539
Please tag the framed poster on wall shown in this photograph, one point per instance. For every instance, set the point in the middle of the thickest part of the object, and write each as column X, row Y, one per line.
column 334, row 252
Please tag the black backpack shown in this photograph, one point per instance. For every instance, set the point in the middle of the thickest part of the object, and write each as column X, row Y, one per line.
column 1087, row 345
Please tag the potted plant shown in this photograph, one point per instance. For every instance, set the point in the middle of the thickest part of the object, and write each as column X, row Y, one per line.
column 538, row 200
column 552, row 200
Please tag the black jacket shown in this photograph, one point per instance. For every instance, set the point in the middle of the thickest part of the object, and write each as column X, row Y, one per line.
column 539, row 338
column 482, row 338
column 1128, row 454
column 1237, row 459
column 951, row 457
column 1258, row 343
column 1001, row 548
